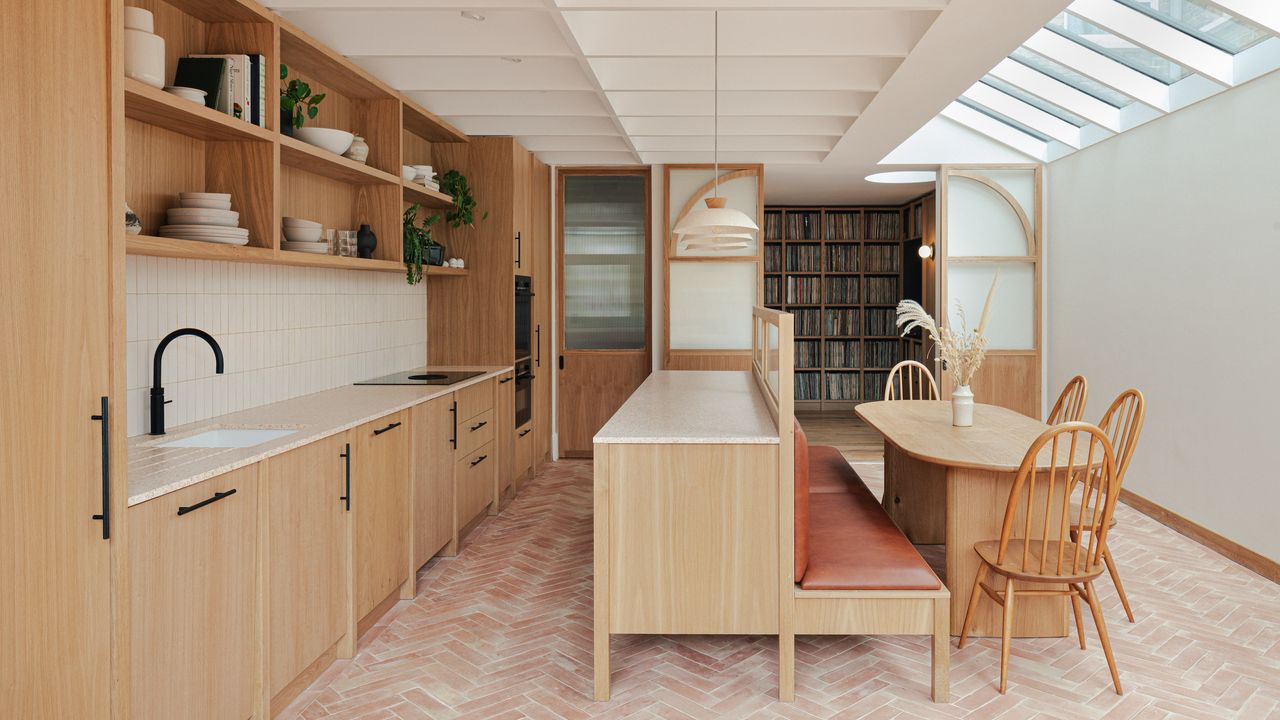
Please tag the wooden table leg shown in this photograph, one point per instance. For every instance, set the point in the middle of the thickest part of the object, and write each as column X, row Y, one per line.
column 975, row 512
column 915, row 496
column 600, row 556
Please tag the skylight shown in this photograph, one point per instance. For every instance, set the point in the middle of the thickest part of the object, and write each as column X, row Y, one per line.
column 1115, row 64
column 1117, row 48
column 1204, row 21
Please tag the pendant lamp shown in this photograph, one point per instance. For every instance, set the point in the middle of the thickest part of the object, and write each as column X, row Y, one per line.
column 716, row 224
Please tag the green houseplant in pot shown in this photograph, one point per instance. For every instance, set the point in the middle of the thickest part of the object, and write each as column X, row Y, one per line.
column 464, row 203
column 419, row 247
column 297, row 104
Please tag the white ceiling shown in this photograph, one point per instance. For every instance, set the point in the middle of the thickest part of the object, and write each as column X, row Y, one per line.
column 818, row 90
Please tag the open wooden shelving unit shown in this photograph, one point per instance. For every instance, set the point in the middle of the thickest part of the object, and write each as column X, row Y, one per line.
column 173, row 145
column 857, row 246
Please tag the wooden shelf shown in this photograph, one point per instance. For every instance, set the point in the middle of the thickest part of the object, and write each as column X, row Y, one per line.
column 427, row 126
column 303, row 259
column 440, row 271
column 297, row 154
column 309, row 56
column 195, row 250
column 157, row 107
column 415, row 193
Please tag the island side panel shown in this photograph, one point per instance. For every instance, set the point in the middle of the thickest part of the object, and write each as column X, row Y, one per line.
column 692, row 539
column 915, row 496
column 600, row 574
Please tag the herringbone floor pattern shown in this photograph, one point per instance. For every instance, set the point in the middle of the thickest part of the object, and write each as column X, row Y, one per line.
column 504, row 631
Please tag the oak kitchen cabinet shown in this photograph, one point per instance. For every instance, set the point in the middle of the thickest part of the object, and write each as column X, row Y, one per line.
column 380, row 503
column 193, row 590
column 475, row 475
column 432, row 472
column 543, row 356
column 505, row 436
column 307, row 526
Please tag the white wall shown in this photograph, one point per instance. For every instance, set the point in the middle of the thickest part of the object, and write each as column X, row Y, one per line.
column 1164, row 273
column 284, row 332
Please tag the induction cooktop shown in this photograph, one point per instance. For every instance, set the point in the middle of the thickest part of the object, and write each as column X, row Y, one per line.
column 422, row 377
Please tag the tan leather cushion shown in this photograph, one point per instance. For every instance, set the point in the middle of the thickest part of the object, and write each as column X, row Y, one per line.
column 829, row 472
column 853, row 545
column 801, row 501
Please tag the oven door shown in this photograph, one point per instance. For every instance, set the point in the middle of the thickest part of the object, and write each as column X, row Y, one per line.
column 524, row 394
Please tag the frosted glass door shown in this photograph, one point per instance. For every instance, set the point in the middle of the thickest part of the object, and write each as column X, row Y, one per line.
column 604, row 262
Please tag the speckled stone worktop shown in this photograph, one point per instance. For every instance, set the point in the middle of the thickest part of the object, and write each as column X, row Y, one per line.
column 154, row 471
column 692, row 406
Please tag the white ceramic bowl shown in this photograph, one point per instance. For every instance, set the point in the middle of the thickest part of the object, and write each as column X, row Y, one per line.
column 292, row 222
column 407, row 173
column 195, row 95
column 203, row 216
column 335, row 141
column 300, row 234
column 144, row 57
column 201, row 203
column 205, row 196
column 136, row 18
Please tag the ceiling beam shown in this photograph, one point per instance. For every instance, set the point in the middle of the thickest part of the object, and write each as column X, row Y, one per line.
column 1033, row 117
column 1059, row 93
column 1159, row 38
column 1101, row 68
column 997, row 131
column 1263, row 12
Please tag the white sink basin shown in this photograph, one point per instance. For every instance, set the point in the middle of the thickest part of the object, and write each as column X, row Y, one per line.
column 228, row 438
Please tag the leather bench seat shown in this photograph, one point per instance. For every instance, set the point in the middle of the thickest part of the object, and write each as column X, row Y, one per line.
column 844, row 540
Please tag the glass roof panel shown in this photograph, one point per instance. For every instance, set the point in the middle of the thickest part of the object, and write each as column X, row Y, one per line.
column 1003, row 118
column 1034, row 100
column 1064, row 74
column 1204, row 21
column 1117, row 48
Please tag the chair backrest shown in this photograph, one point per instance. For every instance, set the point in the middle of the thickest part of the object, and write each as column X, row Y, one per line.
column 1123, row 424
column 1039, row 508
column 1070, row 405
column 914, row 382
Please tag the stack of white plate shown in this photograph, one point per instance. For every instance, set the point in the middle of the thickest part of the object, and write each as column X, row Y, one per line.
column 206, row 217
column 303, row 236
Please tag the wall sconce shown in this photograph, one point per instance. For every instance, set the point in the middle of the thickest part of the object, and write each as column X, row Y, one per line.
column 926, row 251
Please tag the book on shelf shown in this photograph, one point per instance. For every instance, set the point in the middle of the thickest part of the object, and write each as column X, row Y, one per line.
column 804, row 258
column 203, row 73
column 841, row 354
column 773, row 226
column 842, row 258
column 882, row 258
column 808, row 322
column 880, row 353
column 804, row 290
column 772, row 257
column 236, row 81
column 842, row 290
column 806, row 354
column 808, row 385
column 773, row 291
column 881, row 322
column 842, row 386
column 257, row 90
column 882, row 291
column 841, row 322
column 844, row 226
column 873, row 385
column 884, row 225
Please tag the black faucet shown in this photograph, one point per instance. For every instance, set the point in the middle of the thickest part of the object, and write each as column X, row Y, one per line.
column 157, row 390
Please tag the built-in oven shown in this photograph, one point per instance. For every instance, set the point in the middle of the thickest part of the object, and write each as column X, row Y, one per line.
column 524, row 316
column 524, row 392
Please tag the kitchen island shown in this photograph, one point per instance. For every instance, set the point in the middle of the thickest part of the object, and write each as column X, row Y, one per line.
column 687, row 512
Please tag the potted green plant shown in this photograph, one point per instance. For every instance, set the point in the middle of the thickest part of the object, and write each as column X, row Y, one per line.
column 464, row 204
column 297, row 104
column 419, row 247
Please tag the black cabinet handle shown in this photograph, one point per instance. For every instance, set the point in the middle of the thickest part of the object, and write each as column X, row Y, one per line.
column 505, row 380
column 561, row 362
column 216, row 497
column 480, row 425
column 519, row 250
column 478, row 460
column 392, row 426
column 454, row 440
column 346, row 490
column 538, row 331
column 526, row 432
column 105, row 517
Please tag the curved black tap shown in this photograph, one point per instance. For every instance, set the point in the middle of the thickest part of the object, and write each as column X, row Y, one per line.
column 157, row 390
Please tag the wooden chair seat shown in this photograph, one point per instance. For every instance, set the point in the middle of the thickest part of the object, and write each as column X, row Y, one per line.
column 1075, row 513
column 989, row 551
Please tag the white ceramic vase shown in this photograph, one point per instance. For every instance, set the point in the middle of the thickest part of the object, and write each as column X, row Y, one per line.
column 359, row 150
column 143, row 54
column 962, row 407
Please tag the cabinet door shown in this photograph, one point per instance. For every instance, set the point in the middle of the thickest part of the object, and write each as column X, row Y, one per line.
column 524, row 452
column 475, row 478
column 543, row 360
column 379, row 499
column 192, row 563
column 307, row 557
column 505, row 417
column 56, row 606
column 432, row 425
column 520, row 209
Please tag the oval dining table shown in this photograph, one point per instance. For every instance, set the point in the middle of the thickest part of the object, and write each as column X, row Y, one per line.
column 947, row 485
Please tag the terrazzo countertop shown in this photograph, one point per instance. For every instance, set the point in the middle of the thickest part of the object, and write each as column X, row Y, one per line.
column 155, row 471
column 692, row 406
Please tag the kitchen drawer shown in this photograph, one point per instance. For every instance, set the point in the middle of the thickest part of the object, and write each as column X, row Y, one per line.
column 474, row 478
column 474, row 399
column 524, row 451
column 474, row 433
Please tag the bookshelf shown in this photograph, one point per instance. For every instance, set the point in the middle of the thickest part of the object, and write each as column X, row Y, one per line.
column 840, row 271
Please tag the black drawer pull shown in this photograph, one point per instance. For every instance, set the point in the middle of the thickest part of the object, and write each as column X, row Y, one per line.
column 346, row 457
column 478, row 460
column 392, row 426
column 505, row 380
column 105, row 517
column 477, row 427
column 526, row 432
column 216, row 497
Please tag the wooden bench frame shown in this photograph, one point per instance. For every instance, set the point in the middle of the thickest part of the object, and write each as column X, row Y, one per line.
column 830, row 612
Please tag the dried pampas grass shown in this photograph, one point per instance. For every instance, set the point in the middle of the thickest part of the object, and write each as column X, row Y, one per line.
column 960, row 350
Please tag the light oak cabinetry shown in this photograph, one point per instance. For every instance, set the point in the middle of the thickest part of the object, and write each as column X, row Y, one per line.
column 432, row 477
column 478, row 455
column 379, row 501
column 544, row 358
column 475, row 478
column 524, row 452
column 193, row 563
column 505, row 436
column 307, row 541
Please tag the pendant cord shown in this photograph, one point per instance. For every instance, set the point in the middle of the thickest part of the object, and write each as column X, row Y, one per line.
column 715, row 127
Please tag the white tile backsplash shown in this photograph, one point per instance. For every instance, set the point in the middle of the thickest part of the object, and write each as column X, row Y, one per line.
column 284, row 332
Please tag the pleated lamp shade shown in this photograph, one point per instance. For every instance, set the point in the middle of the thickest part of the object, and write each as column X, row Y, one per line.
column 715, row 221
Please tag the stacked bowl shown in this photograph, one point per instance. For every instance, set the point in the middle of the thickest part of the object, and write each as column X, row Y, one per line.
column 303, row 236
column 206, row 217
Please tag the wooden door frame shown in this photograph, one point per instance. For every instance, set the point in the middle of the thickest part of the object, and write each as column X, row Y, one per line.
column 646, row 172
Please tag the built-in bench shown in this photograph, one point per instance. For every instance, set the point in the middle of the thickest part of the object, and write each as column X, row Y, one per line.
column 855, row 572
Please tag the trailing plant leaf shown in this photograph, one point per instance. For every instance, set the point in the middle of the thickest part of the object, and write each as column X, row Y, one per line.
column 417, row 238
column 464, row 204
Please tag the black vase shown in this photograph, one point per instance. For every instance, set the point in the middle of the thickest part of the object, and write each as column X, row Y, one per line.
column 286, row 122
column 435, row 255
column 366, row 242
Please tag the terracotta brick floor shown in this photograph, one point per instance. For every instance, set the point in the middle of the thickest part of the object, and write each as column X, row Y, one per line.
column 504, row 631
